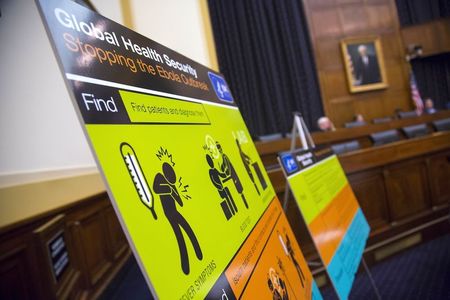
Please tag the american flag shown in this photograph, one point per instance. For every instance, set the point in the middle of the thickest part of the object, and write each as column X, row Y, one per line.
column 418, row 102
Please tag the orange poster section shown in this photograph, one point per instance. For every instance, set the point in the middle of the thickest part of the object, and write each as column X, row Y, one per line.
column 243, row 264
column 270, row 264
column 330, row 226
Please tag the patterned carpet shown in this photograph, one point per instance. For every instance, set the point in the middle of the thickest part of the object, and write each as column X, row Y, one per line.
column 422, row 272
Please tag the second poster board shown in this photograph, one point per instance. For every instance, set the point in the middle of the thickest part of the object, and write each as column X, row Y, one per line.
column 331, row 212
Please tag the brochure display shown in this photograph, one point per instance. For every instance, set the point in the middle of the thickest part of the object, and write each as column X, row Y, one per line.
column 331, row 212
column 180, row 167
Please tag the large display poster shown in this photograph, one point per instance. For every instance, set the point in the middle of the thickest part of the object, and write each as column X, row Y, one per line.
column 181, row 169
column 331, row 212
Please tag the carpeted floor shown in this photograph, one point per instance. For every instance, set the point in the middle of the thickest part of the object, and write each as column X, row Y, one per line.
column 422, row 272
column 129, row 284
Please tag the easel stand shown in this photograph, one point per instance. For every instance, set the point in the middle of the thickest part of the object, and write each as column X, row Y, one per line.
column 372, row 281
column 299, row 127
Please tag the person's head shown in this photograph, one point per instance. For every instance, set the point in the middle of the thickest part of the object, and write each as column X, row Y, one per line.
column 169, row 173
column 429, row 103
column 325, row 124
column 359, row 118
column 362, row 50
column 219, row 147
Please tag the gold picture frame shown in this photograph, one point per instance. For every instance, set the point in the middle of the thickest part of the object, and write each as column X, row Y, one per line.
column 364, row 64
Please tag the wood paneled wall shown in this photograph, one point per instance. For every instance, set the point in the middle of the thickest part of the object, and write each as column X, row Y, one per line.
column 96, row 245
column 330, row 21
column 434, row 37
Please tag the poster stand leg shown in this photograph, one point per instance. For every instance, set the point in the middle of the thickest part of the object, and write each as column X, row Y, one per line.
column 298, row 127
column 287, row 191
column 366, row 269
column 312, row 263
column 372, row 281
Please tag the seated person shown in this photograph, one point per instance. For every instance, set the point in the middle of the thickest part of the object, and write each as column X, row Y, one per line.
column 429, row 106
column 325, row 124
column 359, row 118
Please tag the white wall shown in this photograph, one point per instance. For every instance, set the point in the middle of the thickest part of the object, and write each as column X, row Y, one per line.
column 110, row 9
column 177, row 24
column 39, row 130
column 40, row 135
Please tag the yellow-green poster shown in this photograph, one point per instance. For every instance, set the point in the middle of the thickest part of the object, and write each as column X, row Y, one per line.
column 181, row 169
column 202, row 184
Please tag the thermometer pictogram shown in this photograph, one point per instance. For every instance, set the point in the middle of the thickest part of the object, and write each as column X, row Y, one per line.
column 137, row 176
column 285, row 249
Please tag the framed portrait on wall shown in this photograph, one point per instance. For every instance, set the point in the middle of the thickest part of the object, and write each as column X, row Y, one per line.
column 364, row 64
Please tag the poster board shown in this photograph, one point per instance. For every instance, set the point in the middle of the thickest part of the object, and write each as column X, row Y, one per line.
column 181, row 170
column 331, row 212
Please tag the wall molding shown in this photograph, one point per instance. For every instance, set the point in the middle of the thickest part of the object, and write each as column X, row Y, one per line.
column 23, row 178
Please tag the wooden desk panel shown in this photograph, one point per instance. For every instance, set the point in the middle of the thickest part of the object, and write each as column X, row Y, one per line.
column 407, row 188
column 370, row 190
column 17, row 269
column 379, row 156
column 439, row 178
